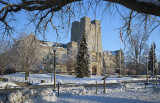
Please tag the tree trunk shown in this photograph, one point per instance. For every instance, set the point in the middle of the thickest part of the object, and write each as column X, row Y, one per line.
column 2, row 73
column 26, row 76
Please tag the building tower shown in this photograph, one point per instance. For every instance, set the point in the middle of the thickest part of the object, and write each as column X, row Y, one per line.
column 93, row 31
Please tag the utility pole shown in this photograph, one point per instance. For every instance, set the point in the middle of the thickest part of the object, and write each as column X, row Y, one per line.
column 54, row 47
column 156, row 68
column 54, row 69
column 120, row 64
column 153, row 58
column 120, row 71
column 147, row 68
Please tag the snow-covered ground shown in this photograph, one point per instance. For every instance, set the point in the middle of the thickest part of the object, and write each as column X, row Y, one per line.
column 35, row 79
column 134, row 93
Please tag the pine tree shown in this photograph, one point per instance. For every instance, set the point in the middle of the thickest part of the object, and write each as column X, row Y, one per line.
column 152, row 55
column 83, row 61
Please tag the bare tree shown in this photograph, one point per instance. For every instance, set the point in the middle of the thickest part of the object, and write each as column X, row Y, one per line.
column 137, row 50
column 26, row 54
column 62, row 62
column 109, row 71
column 4, row 49
column 72, row 59
column 48, row 61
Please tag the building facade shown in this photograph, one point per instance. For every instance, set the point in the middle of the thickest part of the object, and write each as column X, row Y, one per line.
column 113, row 61
column 66, row 53
column 93, row 32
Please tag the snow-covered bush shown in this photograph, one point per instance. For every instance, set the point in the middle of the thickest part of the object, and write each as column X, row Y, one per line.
column 1, row 100
column 81, row 90
column 15, row 97
column 33, row 96
column 45, row 95
column 72, row 90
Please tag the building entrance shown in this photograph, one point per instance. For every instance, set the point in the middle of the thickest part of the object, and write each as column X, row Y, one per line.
column 94, row 70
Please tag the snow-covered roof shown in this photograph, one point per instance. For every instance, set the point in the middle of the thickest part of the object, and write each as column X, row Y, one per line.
column 50, row 44
column 46, row 43
column 110, row 52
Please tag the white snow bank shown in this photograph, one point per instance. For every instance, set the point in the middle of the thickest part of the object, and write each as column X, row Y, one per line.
column 117, row 97
column 33, row 96
column 3, row 84
column 136, row 93
column 113, row 95
column 15, row 97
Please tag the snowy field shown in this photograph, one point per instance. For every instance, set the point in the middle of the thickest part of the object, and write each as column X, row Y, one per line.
column 133, row 93
column 35, row 79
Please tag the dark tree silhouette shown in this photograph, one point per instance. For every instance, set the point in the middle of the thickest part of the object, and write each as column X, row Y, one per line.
column 152, row 57
column 83, row 60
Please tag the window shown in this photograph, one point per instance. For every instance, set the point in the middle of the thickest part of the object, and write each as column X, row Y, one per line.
column 94, row 59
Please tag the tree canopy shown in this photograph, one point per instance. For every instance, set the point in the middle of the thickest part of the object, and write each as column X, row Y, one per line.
column 141, row 6
column 43, row 11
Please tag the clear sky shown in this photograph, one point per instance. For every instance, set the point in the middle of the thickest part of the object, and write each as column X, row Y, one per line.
column 110, row 22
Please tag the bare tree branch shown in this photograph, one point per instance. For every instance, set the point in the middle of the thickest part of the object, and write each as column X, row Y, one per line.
column 140, row 7
column 43, row 9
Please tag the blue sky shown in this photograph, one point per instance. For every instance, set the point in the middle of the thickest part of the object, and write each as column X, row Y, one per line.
column 109, row 30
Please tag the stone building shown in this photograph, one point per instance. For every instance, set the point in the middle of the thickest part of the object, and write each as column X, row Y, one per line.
column 66, row 53
column 112, row 61
column 48, row 56
column 93, row 31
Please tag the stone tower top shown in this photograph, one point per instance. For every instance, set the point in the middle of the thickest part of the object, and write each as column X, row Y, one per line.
column 85, row 19
column 75, row 23
column 95, row 22
column 93, row 31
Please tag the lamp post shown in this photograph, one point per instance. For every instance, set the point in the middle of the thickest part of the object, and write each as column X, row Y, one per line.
column 147, row 69
column 54, row 47
column 51, row 72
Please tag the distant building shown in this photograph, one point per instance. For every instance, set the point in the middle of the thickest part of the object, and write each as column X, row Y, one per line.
column 47, row 55
column 112, row 60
